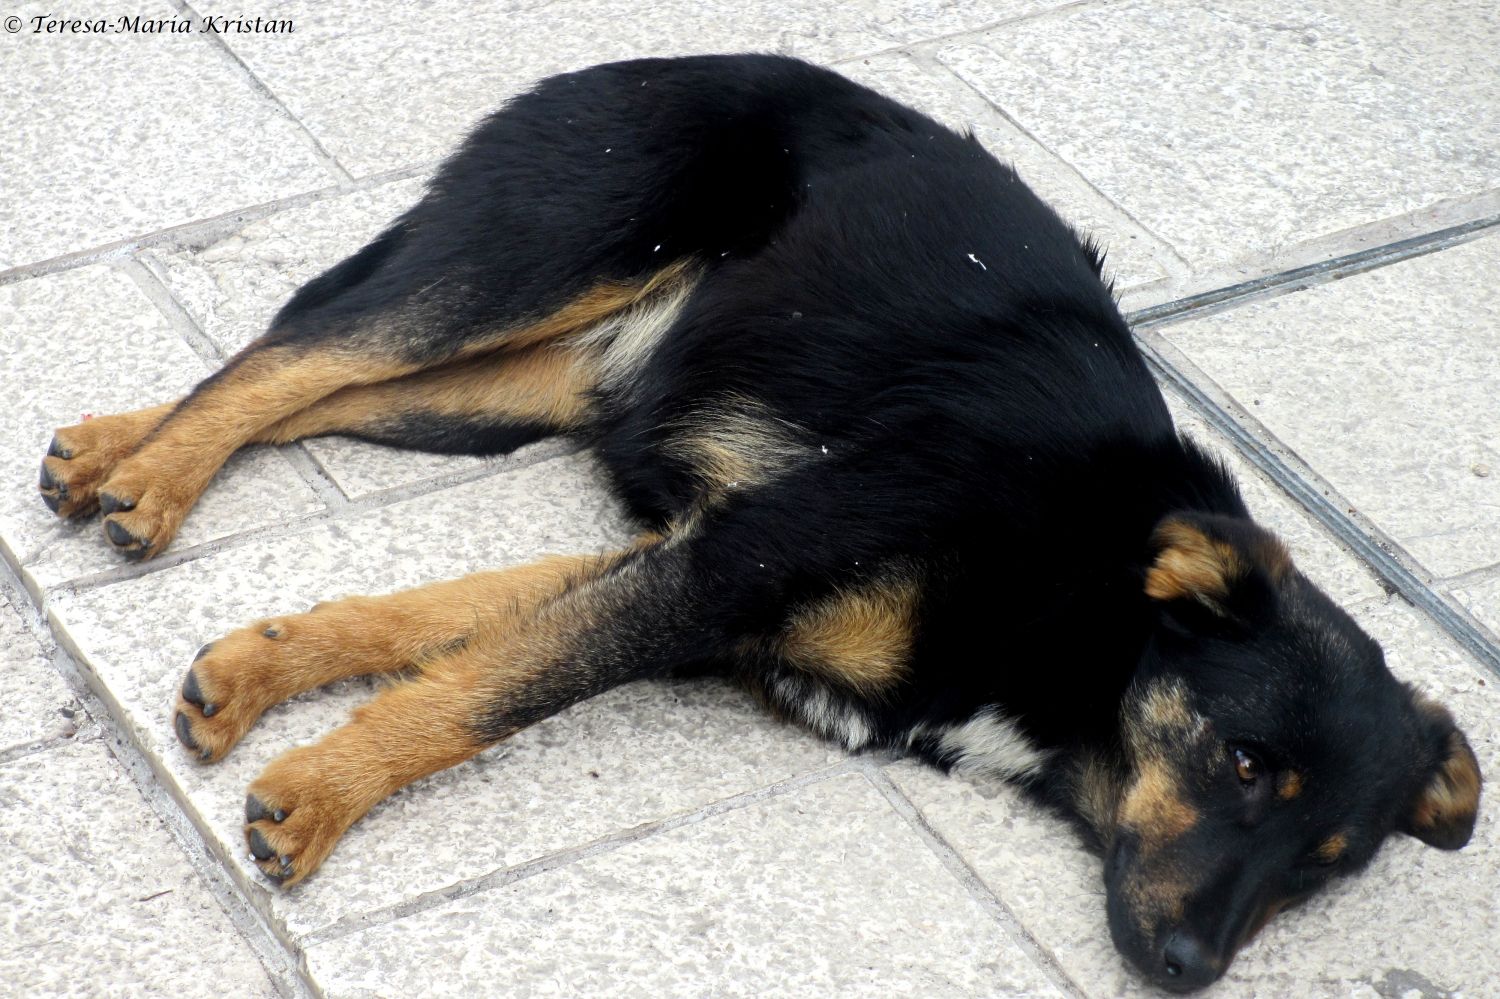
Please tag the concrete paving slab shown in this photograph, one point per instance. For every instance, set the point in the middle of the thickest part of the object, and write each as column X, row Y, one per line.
column 1385, row 384
column 1416, row 915
column 1342, row 576
column 1134, row 256
column 37, row 703
column 97, row 899
column 1482, row 598
column 89, row 341
column 1249, row 127
column 111, row 135
column 821, row 892
column 233, row 284
column 426, row 83
column 658, row 749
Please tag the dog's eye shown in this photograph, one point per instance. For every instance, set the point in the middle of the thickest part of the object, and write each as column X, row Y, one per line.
column 1246, row 766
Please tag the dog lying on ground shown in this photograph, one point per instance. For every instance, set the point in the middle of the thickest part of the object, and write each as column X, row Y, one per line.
column 902, row 473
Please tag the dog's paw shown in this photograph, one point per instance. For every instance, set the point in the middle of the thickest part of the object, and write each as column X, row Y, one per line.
column 82, row 456
column 294, row 814
column 142, row 510
column 229, row 686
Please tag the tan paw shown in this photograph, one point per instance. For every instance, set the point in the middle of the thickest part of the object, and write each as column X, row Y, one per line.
column 144, row 504
column 82, row 456
column 295, row 812
column 230, row 685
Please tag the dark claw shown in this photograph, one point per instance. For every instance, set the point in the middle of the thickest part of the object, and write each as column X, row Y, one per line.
column 193, row 694
column 202, row 652
column 54, row 503
column 109, row 504
column 46, row 481
column 118, row 535
column 255, row 809
column 57, row 450
column 185, row 732
column 259, row 848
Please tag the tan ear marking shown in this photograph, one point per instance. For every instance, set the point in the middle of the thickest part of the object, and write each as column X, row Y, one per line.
column 1191, row 564
column 1452, row 796
column 1333, row 847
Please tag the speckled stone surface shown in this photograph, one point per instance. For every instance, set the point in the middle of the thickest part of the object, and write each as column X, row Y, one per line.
column 1482, row 598
column 433, row 83
column 97, row 899
column 659, row 749
column 1132, row 253
column 113, row 135
column 233, row 285
column 89, row 341
column 32, row 696
column 1415, row 911
column 822, row 892
column 1247, row 126
column 1385, row 384
column 1317, row 555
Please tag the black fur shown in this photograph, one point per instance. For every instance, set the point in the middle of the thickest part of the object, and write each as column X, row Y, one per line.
column 966, row 409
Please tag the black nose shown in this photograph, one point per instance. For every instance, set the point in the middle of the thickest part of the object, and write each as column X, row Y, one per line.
column 1187, row 964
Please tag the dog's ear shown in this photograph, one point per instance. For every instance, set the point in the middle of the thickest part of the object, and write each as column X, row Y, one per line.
column 1443, row 811
column 1212, row 572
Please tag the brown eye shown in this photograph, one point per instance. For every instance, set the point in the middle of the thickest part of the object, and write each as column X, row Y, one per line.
column 1246, row 766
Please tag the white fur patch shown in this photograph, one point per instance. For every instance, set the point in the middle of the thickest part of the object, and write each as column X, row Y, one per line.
column 626, row 340
column 987, row 745
column 823, row 711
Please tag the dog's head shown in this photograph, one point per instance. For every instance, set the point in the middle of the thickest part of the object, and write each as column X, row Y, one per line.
column 1267, row 750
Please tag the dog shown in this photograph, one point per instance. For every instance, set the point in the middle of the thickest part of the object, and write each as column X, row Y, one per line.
column 900, row 470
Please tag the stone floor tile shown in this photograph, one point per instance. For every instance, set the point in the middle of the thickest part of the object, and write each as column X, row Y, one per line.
column 432, row 86
column 1131, row 253
column 1416, row 915
column 824, row 891
column 115, row 134
column 1342, row 576
column 658, row 749
column 1482, row 598
column 33, row 698
column 1385, row 384
column 88, row 340
column 97, row 899
column 1248, row 127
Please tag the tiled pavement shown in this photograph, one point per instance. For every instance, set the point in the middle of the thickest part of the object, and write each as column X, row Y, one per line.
column 1300, row 201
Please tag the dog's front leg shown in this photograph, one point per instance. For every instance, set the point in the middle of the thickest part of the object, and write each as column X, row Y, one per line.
column 644, row 614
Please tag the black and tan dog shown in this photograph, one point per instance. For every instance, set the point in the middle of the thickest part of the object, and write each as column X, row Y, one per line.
column 903, row 474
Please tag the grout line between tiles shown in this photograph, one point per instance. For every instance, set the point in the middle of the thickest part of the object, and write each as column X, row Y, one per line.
column 258, row 86
column 102, row 724
column 1483, row 574
column 954, row 36
column 1395, row 568
column 976, row 887
column 605, row 844
column 207, row 230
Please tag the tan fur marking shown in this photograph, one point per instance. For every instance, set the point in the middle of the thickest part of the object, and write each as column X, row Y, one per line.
column 1333, row 848
column 1165, row 707
column 1153, row 806
column 592, row 307
column 1452, row 797
column 737, row 444
column 1190, row 565
column 1193, row 565
column 545, row 384
column 1288, row 785
column 859, row 638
